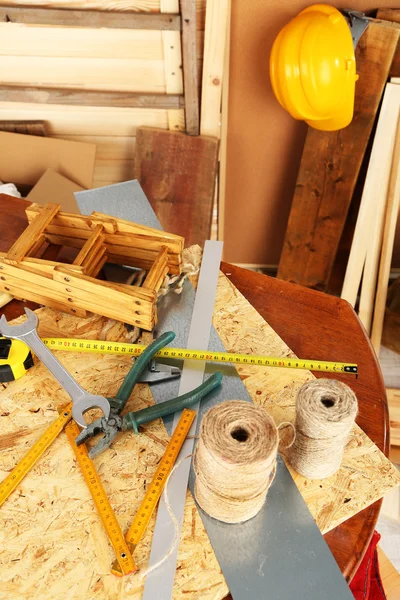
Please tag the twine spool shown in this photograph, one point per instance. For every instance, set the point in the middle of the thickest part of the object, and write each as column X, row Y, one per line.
column 235, row 460
column 325, row 414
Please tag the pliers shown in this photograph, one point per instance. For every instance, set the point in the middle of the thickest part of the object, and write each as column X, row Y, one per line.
column 115, row 423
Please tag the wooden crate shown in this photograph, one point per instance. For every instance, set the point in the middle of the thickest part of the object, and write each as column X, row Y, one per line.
column 100, row 238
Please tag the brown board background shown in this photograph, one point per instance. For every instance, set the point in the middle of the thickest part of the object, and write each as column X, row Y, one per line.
column 264, row 143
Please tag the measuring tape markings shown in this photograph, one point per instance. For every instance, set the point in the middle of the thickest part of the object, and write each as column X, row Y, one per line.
column 101, row 502
column 100, row 347
column 155, row 489
column 8, row 485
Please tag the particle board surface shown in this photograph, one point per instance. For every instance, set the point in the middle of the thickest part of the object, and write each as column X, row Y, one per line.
column 55, row 541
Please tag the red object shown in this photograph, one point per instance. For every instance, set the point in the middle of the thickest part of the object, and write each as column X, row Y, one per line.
column 366, row 583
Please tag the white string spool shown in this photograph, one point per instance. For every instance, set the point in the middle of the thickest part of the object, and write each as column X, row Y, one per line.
column 235, row 460
column 325, row 413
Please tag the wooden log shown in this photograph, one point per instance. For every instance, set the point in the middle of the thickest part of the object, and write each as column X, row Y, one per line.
column 189, row 57
column 9, row 93
column 89, row 18
column 329, row 169
column 392, row 211
column 24, row 127
column 31, row 234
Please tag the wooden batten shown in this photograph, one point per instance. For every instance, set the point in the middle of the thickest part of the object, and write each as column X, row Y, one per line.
column 91, row 245
column 32, row 234
column 158, row 271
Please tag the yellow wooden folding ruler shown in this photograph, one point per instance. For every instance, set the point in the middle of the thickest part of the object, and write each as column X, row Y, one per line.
column 32, row 456
column 154, row 491
column 90, row 475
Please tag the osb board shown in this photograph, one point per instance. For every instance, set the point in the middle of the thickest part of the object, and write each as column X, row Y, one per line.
column 52, row 543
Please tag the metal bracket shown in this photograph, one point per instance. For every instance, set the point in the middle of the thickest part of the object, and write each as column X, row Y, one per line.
column 358, row 23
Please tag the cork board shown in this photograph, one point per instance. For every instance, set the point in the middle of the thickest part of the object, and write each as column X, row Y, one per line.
column 52, row 542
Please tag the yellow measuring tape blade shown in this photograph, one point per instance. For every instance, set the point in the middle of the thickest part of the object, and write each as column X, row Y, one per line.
column 32, row 456
column 103, row 506
column 101, row 347
column 154, row 491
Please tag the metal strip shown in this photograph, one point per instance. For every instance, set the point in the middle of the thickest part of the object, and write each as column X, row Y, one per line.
column 281, row 552
column 159, row 583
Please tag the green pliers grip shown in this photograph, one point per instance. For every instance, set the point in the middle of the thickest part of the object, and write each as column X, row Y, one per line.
column 119, row 401
column 133, row 419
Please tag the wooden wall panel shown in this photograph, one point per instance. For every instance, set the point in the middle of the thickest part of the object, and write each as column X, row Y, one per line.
column 87, row 120
column 29, row 40
column 123, row 75
column 99, row 59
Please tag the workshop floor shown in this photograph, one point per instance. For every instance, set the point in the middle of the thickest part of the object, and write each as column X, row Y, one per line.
column 389, row 520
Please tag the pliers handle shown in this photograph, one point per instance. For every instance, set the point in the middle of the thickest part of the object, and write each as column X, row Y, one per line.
column 133, row 419
column 118, row 403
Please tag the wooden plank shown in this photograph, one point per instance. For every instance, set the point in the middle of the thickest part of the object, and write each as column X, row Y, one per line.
column 393, row 397
column 391, row 215
column 189, row 58
column 31, row 234
column 213, row 65
column 30, row 40
column 365, row 248
column 87, row 247
column 389, row 575
column 37, row 245
column 24, row 127
column 101, row 74
column 86, row 120
column 220, row 196
column 69, row 97
column 329, row 169
column 158, row 271
column 93, row 260
column 182, row 197
column 105, row 5
column 89, row 18
column 118, row 231
column 96, row 267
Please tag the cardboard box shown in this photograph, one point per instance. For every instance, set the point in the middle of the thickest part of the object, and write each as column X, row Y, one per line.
column 25, row 158
column 53, row 187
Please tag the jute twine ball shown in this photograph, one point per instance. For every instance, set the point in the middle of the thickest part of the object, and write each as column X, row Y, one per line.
column 325, row 414
column 235, row 460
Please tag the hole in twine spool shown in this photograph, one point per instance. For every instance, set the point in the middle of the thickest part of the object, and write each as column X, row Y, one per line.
column 235, row 460
column 240, row 434
column 328, row 402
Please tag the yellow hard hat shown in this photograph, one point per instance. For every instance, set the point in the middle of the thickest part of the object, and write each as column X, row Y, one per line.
column 313, row 68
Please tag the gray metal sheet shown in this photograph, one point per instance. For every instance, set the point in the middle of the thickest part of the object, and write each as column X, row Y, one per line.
column 280, row 554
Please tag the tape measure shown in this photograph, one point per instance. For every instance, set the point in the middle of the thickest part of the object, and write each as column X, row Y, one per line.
column 154, row 491
column 101, row 502
column 101, row 347
column 32, row 456
column 15, row 359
